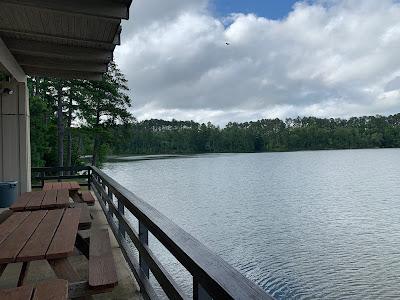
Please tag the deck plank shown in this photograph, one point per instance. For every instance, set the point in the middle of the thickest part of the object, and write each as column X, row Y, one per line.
column 56, row 289
column 66, row 185
column 85, row 219
column 102, row 272
column 63, row 242
column 19, row 293
column 21, row 202
column 50, row 199
column 13, row 244
column 75, row 185
column 88, row 198
column 36, row 200
column 47, row 186
column 56, row 185
column 11, row 224
column 62, row 198
column 39, row 242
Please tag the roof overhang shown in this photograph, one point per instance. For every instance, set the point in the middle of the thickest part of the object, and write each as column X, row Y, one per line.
column 64, row 38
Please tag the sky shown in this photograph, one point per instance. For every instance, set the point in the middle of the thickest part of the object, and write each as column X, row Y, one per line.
column 264, row 8
column 323, row 58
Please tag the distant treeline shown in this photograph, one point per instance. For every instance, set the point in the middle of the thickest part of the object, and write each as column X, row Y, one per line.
column 308, row 133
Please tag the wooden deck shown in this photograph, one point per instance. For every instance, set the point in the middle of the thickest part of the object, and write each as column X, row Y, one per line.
column 127, row 287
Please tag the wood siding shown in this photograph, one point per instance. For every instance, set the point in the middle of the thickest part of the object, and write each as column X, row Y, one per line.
column 14, row 136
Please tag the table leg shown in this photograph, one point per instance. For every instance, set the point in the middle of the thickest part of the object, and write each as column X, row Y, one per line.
column 64, row 269
column 74, row 194
column 22, row 275
column 82, row 245
column 2, row 268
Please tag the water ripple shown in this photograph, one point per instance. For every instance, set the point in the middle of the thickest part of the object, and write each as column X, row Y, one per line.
column 305, row 225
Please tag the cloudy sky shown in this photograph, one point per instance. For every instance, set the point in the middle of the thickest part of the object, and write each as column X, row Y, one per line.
column 327, row 58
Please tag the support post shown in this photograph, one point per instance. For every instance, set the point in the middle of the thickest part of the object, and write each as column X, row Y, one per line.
column 144, row 239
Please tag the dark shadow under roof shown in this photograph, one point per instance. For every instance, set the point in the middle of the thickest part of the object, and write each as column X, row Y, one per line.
column 63, row 38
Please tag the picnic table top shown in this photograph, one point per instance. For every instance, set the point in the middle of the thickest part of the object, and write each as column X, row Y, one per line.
column 35, row 235
column 51, row 289
column 69, row 185
column 41, row 200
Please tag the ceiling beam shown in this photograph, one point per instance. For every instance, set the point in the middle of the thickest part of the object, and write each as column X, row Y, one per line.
column 8, row 61
column 51, row 50
column 55, row 63
column 62, row 74
column 5, row 32
column 93, row 8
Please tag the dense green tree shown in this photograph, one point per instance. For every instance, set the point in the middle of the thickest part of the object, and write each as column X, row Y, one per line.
column 308, row 133
column 72, row 116
column 105, row 104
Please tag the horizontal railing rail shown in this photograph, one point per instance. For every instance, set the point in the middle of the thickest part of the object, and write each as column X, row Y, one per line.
column 212, row 277
column 41, row 174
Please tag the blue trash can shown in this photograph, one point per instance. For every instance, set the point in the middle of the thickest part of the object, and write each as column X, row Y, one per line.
column 8, row 193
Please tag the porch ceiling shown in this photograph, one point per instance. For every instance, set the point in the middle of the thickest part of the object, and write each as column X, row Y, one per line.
column 64, row 38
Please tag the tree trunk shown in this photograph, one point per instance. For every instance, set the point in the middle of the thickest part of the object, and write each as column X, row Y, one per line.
column 60, row 127
column 95, row 149
column 69, row 135
column 96, row 142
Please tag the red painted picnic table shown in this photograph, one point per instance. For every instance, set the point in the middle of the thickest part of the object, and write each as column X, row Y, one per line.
column 35, row 235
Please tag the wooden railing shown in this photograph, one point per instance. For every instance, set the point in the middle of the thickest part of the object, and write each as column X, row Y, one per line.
column 212, row 277
column 40, row 175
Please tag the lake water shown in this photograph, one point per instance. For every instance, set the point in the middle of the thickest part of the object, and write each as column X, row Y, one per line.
column 302, row 225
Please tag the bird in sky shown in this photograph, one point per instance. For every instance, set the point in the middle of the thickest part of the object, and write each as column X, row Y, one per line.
column 227, row 43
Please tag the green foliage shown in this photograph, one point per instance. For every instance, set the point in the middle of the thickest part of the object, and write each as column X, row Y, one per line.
column 97, row 122
column 40, row 133
column 309, row 133
column 85, row 110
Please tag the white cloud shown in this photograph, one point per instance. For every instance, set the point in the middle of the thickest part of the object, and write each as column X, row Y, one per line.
column 331, row 58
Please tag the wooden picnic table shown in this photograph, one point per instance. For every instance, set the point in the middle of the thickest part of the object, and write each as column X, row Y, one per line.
column 72, row 186
column 52, row 235
column 35, row 235
column 48, row 199
column 69, row 185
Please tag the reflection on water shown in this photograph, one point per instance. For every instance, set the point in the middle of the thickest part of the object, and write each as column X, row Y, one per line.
column 302, row 225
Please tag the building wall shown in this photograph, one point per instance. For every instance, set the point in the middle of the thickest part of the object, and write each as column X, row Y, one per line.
column 14, row 136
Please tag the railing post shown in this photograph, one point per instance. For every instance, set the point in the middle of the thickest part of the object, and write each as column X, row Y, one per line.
column 144, row 239
column 110, row 198
column 42, row 175
column 199, row 293
column 121, row 210
column 89, row 179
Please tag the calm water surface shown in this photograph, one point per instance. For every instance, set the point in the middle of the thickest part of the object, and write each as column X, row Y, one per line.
column 302, row 225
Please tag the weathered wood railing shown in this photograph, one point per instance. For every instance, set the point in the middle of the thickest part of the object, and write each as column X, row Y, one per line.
column 213, row 278
column 61, row 174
